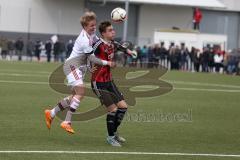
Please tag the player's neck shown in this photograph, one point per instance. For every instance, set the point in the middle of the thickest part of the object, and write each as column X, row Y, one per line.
column 105, row 40
column 88, row 34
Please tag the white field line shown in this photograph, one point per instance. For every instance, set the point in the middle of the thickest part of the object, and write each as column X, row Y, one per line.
column 207, row 90
column 36, row 74
column 177, row 88
column 124, row 153
column 24, row 71
column 22, row 75
column 203, row 84
column 24, row 82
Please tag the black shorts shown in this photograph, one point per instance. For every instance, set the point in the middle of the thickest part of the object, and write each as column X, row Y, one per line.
column 107, row 92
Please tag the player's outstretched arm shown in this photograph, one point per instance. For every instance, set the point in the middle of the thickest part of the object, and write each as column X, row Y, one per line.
column 126, row 48
column 92, row 58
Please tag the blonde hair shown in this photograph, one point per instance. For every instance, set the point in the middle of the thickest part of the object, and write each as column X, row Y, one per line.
column 87, row 17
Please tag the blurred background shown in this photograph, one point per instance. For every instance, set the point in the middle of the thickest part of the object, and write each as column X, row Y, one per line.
column 186, row 35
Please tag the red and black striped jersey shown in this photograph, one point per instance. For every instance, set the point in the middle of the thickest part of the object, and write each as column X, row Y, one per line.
column 105, row 51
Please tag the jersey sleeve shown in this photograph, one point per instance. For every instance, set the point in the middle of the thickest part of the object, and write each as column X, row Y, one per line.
column 119, row 46
column 96, row 48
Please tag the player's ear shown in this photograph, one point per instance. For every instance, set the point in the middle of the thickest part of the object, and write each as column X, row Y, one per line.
column 103, row 33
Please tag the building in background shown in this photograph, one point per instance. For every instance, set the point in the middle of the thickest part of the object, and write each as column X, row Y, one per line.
column 43, row 18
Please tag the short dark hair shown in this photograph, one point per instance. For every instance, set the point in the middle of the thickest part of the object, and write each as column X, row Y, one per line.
column 103, row 26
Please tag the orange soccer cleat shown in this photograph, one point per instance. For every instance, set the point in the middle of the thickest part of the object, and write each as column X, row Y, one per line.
column 48, row 118
column 67, row 126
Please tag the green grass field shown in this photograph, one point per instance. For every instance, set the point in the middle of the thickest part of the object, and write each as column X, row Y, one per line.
column 212, row 101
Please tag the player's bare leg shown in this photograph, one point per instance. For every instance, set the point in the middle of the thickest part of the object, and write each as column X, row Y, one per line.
column 78, row 94
column 50, row 114
column 111, row 139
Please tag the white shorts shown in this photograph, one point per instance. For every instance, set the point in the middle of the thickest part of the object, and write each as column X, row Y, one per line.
column 74, row 74
column 75, row 78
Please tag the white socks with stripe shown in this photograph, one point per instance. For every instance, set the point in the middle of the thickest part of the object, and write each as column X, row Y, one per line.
column 63, row 104
column 73, row 107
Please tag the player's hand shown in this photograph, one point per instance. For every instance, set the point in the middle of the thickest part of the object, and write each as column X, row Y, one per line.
column 133, row 53
column 111, row 64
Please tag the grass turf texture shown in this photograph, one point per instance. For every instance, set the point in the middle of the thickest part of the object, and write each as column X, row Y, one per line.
column 213, row 126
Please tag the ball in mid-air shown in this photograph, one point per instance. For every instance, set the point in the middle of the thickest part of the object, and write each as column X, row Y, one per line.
column 118, row 15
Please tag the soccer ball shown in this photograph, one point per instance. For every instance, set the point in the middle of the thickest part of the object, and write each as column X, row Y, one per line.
column 118, row 15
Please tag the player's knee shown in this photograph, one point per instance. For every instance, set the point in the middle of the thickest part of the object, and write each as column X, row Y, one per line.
column 79, row 91
column 122, row 104
column 70, row 98
column 79, row 97
column 123, row 107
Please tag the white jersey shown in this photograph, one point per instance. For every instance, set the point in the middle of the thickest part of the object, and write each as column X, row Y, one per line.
column 75, row 66
column 83, row 44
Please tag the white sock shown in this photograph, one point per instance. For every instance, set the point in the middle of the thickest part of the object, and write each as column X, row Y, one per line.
column 63, row 104
column 74, row 105
column 54, row 111
column 68, row 116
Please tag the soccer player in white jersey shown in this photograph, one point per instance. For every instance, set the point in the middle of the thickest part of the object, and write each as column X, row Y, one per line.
column 75, row 68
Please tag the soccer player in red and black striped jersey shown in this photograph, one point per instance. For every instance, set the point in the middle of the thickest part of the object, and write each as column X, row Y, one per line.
column 104, row 86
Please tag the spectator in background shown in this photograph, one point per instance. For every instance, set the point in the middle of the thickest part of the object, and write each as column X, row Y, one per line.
column 10, row 48
column 163, row 53
column 62, row 51
column 197, row 17
column 144, row 56
column 151, row 56
column 226, row 59
column 38, row 49
column 174, row 57
column 183, row 57
column 238, row 66
column 138, row 49
column 218, row 60
column 19, row 45
column 129, row 60
column 30, row 49
column 189, row 62
column 157, row 56
column 56, row 51
column 196, row 59
column 191, row 56
column 69, row 47
column 48, row 48
column 4, row 47
column 211, row 60
column 205, row 59
column 232, row 64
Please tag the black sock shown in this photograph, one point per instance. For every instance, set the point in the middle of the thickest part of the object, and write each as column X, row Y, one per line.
column 110, row 123
column 60, row 106
column 119, row 117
